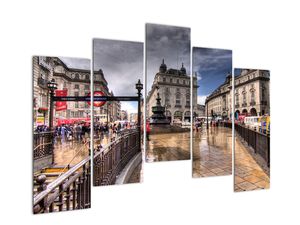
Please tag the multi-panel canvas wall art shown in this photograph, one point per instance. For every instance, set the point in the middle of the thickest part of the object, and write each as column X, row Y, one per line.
column 212, row 133
column 98, row 121
column 61, row 134
column 118, row 83
column 252, row 129
column 168, row 100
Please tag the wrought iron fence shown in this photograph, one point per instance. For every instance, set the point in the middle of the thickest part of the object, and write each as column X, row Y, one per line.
column 258, row 141
column 111, row 160
column 42, row 144
column 71, row 190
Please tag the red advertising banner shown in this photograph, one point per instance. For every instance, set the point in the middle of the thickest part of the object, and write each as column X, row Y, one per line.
column 61, row 105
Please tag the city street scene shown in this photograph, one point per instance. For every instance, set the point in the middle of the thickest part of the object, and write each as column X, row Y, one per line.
column 118, row 78
column 61, row 134
column 212, row 132
column 168, row 108
column 252, row 130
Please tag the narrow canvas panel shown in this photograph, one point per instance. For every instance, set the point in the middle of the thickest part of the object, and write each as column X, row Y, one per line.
column 61, row 134
column 168, row 88
column 212, row 126
column 252, row 129
column 118, row 80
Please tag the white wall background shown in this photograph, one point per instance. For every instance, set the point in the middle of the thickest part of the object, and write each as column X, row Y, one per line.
column 262, row 35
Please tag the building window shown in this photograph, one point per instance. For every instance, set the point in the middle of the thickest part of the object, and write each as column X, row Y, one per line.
column 171, row 80
column 263, row 94
column 167, row 101
column 164, row 79
column 188, row 99
column 76, row 86
column 177, row 81
column 77, row 76
column 76, row 105
column 244, row 97
column 86, row 87
column 252, row 96
column 236, row 99
column 183, row 82
column 178, row 99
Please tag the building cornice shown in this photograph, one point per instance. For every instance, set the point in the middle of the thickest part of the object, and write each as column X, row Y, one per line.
column 252, row 80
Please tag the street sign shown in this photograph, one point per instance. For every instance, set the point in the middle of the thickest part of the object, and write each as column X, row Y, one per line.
column 98, row 103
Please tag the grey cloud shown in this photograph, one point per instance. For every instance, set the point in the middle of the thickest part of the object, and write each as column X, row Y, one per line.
column 208, row 59
column 121, row 63
column 168, row 42
column 76, row 63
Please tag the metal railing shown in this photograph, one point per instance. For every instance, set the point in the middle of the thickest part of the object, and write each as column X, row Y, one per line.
column 258, row 141
column 71, row 190
column 110, row 160
column 42, row 144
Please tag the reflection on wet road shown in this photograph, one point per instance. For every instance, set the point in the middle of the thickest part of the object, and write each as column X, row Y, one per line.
column 168, row 147
column 67, row 151
column 212, row 152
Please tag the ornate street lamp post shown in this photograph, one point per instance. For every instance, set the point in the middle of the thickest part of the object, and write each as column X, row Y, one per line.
column 139, row 87
column 52, row 86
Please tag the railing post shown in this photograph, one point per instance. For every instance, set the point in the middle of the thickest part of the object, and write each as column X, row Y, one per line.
column 41, row 206
column 60, row 198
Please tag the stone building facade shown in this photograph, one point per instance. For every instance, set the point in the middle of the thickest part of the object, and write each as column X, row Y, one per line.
column 76, row 82
column 200, row 111
column 219, row 102
column 252, row 95
column 174, row 88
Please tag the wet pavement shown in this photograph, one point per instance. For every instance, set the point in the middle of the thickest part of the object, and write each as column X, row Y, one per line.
column 212, row 155
column 249, row 172
column 73, row 151
column 136, row 175
column 168, row 147
column 70, row 152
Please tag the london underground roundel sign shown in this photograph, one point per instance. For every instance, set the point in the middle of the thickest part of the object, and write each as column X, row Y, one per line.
column 98, row 103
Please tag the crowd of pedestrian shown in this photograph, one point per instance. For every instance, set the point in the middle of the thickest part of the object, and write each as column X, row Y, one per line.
column 67, row 132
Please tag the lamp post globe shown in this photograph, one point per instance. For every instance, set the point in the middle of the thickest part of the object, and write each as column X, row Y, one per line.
column 52, row 85
column 139, row 86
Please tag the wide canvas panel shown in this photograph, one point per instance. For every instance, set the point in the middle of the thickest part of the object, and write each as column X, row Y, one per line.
column 252, row 129
column 118, row 76
column 168, row 88
column 212, row 126
column 61, row 134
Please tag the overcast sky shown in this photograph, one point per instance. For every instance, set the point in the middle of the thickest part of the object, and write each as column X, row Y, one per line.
column 122, row 66
column 76, row 63
column 212, row 66
column 166, row 42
